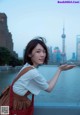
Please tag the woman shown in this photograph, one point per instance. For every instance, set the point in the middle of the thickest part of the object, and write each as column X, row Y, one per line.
column 32, row 82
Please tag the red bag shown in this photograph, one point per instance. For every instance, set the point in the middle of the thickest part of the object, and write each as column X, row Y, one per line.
column 18, row 105
column 27, row 111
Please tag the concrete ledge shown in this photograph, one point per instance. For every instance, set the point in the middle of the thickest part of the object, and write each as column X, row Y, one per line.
column 57, row 110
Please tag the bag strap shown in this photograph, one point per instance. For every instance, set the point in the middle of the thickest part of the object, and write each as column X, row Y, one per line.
column 11, row 87
column 22, row 73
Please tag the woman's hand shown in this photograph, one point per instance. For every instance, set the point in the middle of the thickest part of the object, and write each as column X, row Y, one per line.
column 66, row 67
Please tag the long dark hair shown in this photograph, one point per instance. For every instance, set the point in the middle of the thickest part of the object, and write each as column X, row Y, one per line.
column 30, row 46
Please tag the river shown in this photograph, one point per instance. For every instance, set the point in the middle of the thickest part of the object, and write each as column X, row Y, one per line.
column 65, row 92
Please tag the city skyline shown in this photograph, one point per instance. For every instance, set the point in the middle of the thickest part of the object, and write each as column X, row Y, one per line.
column 29, row 19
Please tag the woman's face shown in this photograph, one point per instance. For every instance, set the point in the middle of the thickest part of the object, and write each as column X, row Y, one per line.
column 38, row 55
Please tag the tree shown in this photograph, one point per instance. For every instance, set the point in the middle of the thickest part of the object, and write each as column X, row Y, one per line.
column 15, row 61
column 5, row 56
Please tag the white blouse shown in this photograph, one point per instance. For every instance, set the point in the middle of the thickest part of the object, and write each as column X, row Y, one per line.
column 31, row 81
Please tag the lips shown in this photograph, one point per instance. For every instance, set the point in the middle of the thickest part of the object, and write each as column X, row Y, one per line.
column 41, row 59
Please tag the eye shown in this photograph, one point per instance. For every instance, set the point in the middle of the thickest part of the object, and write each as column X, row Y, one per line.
column 38, row 51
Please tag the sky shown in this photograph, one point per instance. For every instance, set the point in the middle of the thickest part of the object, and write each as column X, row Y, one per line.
column 27, row 19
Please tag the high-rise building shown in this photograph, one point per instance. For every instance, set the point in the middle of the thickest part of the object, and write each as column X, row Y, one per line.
column 63, row 46
column 50, row 61
column 78, row 48
column 73, row 56
column 56, row 55
column 5, row 35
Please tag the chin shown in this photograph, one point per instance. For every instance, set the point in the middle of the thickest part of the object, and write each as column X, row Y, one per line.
column 41, row 63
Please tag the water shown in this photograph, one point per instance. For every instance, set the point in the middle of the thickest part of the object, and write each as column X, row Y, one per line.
column 66, row 91
column 6, row 78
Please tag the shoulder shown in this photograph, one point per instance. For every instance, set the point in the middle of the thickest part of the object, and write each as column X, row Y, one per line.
column 33, row 72
column 30, row 71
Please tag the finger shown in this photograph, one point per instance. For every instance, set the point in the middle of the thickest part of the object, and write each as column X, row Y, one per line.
column 73, row 65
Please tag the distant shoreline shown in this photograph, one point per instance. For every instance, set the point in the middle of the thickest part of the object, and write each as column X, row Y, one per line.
column 7, row 68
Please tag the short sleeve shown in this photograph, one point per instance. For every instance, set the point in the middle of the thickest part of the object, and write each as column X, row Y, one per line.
column 37, row 84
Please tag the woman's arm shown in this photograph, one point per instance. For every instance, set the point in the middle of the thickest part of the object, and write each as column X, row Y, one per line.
column 54, row 79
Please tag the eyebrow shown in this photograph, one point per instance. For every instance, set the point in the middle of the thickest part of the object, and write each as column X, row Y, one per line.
column 40, row 49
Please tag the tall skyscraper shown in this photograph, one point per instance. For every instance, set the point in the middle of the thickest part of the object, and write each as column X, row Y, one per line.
column 57, row 55
column 63, row 46
column 50, row 61
column 5, row 36
column 78, row 48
